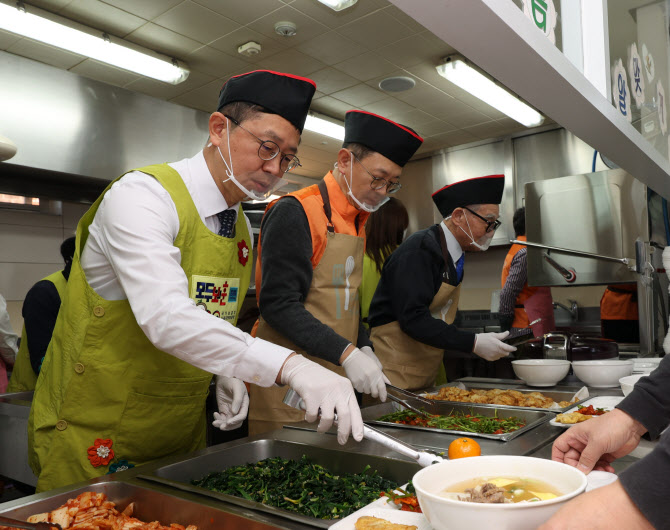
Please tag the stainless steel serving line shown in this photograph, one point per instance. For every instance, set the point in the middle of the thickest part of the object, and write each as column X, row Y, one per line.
column 162, row 489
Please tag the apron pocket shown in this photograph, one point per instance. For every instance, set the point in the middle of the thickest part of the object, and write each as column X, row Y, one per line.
column 162, row 418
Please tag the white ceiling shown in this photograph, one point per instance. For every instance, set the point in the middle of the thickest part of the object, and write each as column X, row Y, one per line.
column 346, row 53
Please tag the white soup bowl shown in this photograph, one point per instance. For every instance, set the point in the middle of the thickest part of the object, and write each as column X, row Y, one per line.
column 448, row 514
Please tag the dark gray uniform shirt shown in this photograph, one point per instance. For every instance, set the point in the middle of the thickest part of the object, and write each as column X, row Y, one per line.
column 410, row 279
column 286, row 243
column 647, row 481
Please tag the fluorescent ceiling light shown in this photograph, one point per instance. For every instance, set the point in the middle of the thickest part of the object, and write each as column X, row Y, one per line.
column 325, row 127
column 338, row 5
column 97, row 46
column 469, row 79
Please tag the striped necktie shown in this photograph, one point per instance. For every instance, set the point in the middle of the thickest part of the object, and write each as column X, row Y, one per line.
column 459, row 267
column 227, row 220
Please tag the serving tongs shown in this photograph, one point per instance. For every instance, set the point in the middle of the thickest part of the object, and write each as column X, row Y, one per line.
column 423, row 458
column 13, row 523
column 411, row 395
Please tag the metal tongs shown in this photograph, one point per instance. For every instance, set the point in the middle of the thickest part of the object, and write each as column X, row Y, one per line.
column 412, row 395
column 423, row 458
column 6, row 521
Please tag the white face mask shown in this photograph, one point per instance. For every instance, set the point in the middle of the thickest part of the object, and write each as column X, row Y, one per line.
column 483, row 242
column 361, row 205
column 251, row 194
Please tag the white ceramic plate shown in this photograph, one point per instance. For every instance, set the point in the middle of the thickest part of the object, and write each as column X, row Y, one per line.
column 598, row 402
column 384, row 510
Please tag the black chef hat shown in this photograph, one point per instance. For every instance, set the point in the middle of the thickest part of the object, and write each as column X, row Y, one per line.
column 394, row 141
column 478, row 190
column 284, row 94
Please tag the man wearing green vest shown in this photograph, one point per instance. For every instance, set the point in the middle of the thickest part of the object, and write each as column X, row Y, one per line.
column 162, row 263
column 40, row 309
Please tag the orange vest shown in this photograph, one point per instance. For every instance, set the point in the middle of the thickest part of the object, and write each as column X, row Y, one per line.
column 343, row 215
column 619, row 302
column 520, row 316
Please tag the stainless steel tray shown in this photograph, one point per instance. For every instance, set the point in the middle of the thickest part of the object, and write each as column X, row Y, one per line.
column 180, row 474
column 532, row 418
column 150, row 506
column 556, row 395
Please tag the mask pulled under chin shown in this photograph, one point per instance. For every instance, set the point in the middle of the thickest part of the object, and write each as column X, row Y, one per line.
column 251, row 194
column 361, row 205
column 483, row 243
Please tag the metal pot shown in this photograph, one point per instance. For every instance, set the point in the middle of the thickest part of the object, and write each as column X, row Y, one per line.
column 569, row 346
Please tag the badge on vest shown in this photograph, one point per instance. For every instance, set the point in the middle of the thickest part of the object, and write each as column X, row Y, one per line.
column 217, row 296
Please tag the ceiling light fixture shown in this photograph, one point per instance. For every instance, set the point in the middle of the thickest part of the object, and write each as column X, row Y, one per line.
column 325, row 127
column 459, row 72
column 91, row 43
column 338, row 5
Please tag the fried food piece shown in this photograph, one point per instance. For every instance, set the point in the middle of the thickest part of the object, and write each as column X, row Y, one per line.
column 572, row 418
column 504, row 399
column 375, row 523
column 495, row 396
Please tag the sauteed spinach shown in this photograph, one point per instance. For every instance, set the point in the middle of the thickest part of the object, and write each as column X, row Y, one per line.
column 299, row 486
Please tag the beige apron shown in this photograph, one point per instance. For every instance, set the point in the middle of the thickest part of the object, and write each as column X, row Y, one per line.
column 408, row 363
column 333, row 300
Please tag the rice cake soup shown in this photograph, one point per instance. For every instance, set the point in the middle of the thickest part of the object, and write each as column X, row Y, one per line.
column 501, row 490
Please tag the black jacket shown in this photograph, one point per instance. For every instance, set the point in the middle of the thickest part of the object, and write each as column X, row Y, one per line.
column 411, row 277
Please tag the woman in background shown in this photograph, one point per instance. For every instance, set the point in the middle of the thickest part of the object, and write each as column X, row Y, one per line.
column 384, row 231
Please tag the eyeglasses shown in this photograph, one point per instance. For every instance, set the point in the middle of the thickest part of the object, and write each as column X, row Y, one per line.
column 378, row 182
column 268, row 150
column 490, row 225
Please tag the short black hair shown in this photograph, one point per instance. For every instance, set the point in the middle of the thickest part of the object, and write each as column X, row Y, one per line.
column 360, row 150
column 67, row 249
column 519, row 222
column 242, row 111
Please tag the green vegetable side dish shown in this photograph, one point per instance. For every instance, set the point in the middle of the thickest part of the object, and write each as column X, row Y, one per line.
column 475, row 423
column 299, row 486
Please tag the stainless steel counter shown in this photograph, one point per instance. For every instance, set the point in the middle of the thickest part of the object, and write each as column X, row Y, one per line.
column 14, row 411
column 161, row 496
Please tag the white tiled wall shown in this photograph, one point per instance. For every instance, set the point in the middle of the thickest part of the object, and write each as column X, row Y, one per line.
column 30, row 250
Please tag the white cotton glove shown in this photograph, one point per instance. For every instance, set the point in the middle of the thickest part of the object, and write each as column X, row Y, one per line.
column 489, row 346
column 327, row 393
column 365, row 372
column 233, row 401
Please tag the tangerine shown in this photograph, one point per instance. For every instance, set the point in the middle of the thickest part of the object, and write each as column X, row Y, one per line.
column 463, row 447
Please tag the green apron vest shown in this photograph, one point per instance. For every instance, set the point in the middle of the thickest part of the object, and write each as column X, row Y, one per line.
column 103, row 386
column 23, row 376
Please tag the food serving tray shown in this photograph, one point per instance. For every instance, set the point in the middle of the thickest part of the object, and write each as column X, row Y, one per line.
column 180, row 474
column 532, row 418
column 150, row 505
column 556, row 395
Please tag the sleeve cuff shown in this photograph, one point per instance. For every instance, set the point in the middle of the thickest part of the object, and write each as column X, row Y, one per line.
column 263, row 360
column 643, row 483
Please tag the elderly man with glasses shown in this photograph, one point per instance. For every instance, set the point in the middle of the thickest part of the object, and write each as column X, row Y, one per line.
column 310, row 262
column 162, row 263
column 412, row 312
